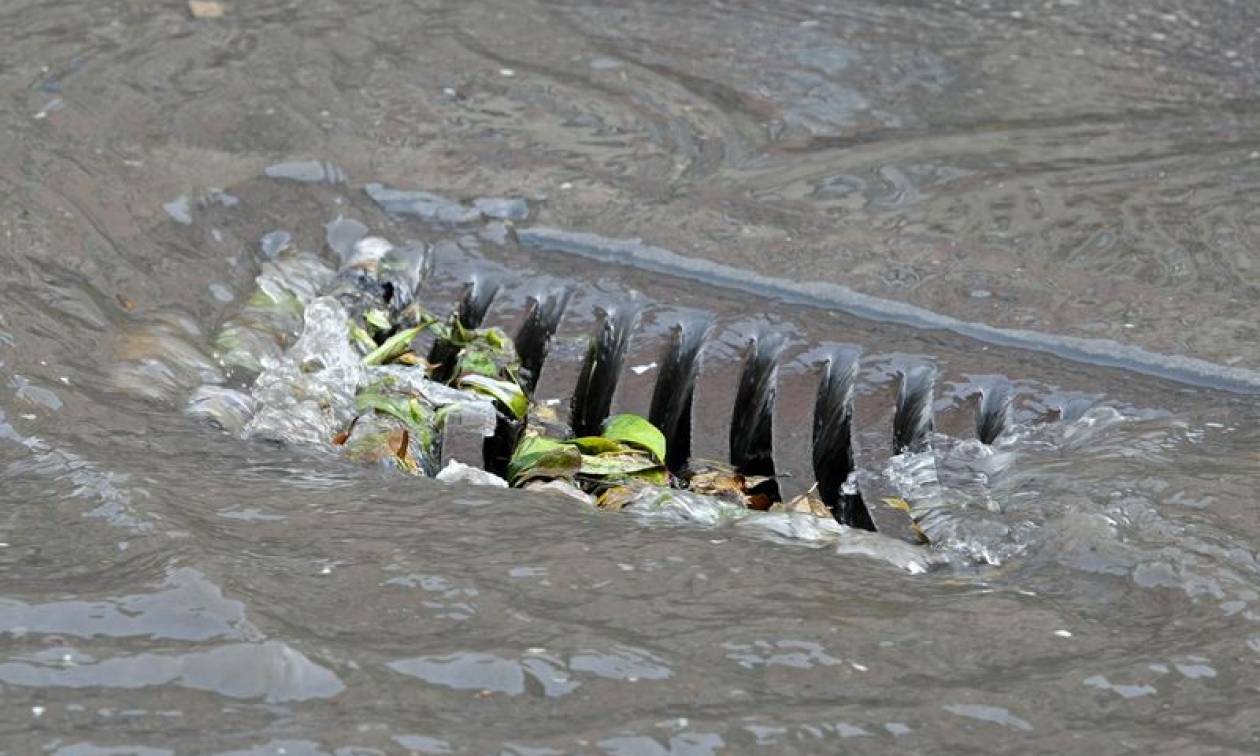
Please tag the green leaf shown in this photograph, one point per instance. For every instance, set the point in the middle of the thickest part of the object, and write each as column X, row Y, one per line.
column 415, row 414
column 382, row 437
column 228, row 339
column 539, row 457
column 637, row 432
column 441, row 331
column 532, row 444
column 378, row 319
column 457, row 333
column 381, row 385
column 393, row 347
column 657, row 476
column 477, row 362
column 507, row 393
column 497, row 340
column 285, row 302
column 361, row 338
column 599, row 445
column 398, row 406
column 559, row 464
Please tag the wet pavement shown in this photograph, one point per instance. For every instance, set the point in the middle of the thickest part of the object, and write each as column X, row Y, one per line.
column 1057, row 193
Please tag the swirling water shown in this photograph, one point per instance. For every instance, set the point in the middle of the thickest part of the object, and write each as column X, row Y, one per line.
column 1060, row 168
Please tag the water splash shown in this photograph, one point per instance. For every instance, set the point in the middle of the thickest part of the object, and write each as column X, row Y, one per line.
column 307, row 395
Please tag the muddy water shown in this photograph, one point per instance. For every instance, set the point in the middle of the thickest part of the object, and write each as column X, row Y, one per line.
column 1060, row 169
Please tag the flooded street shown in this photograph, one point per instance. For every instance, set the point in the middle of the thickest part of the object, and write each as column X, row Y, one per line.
column 1061, row 194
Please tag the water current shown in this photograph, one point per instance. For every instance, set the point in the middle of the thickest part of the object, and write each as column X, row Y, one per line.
column 1057, row 193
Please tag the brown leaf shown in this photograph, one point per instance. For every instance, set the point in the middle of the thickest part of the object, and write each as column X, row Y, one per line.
column 615, row 498
column 806, row 503
column 717, row 482
column 125, row 303
column 759, row 502
column 341, row 438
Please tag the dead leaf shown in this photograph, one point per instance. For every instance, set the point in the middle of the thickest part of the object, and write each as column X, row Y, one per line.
column 898, row 503
column 901, row 505
column 717, row 482
column 616, row 498
column 205, row 9
column 125, row 303
column 806, row 503
column 758, row 502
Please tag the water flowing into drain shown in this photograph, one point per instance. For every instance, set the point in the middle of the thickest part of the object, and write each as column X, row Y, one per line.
column 378, row 286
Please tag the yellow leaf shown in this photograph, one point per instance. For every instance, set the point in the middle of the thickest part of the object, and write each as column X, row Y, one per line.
column 898, row 503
